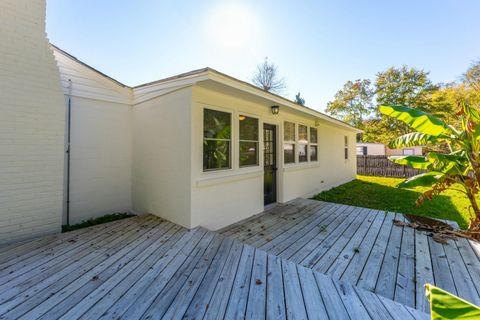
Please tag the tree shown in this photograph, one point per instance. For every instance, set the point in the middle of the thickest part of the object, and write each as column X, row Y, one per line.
column 353, row 103
column 299, row 99
column 402, row 86
column 458, row 170
column 268, row 79
column 471, row 78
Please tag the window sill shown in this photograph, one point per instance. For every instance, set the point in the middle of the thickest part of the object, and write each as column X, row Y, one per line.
column 240, row 174
column 301, row 166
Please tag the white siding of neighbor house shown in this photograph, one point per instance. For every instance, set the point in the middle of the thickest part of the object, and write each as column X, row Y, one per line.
column 101, row 141
column 161, row 156
column 373, row 149
column 222, row 197
column 417, row 151
column 31, row 125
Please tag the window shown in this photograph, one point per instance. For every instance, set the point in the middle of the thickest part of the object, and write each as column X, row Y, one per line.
column 361, row 151
column 248, row 143
column 216, row 140
column 346, row 147
column 313, row 144
column 302, row 143
column 289, row 142
column 408, row 152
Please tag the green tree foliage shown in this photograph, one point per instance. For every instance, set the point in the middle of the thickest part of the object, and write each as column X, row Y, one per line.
column 402, row 86
column 299, row 99
column 471, row 78
column 352, row 103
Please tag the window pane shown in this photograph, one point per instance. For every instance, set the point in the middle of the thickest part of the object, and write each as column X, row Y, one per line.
column 313, row 135
column 346, row 153
column 346, row 141
column 313, row 153
column 302, row 134
column 302, row 152
column 289, row 131
column 216, row 124
column 216, row 154
column 289, row 153
column 248, row 153
column 248, row 128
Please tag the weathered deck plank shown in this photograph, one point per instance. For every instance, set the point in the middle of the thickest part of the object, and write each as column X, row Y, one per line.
column 153, row 269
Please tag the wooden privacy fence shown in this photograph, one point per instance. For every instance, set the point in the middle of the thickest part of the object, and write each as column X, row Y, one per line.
column 380, row 166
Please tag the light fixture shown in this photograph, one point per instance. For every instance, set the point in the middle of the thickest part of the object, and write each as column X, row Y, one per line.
column 275, row 110
column 241, row 118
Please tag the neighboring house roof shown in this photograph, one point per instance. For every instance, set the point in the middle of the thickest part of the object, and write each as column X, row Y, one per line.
column 153, row 89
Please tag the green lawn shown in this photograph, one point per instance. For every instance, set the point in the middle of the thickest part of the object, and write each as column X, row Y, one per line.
column 381, row 193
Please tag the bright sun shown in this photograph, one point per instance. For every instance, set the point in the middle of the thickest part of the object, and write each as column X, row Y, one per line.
column 232, row 25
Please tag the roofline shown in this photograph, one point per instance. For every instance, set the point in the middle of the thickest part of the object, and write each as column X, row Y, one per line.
column 88, row 66
column 209, row 71
column 259, row 92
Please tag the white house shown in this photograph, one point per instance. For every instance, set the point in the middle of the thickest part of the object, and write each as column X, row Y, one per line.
column 200, row 148
column 379, row 149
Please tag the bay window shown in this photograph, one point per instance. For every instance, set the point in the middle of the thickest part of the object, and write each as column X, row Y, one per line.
column 216, row 140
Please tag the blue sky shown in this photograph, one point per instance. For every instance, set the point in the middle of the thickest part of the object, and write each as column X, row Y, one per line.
column 317, row 45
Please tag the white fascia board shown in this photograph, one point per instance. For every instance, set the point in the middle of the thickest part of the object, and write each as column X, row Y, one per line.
column 156, row 89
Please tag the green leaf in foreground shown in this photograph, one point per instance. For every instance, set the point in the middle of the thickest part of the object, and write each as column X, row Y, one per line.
column 423, row 179
column 418, row 120
column 414, row 139
column 417, row 162
column 444, row 305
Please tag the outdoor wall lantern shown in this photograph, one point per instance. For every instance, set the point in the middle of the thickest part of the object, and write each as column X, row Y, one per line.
column 275, row 110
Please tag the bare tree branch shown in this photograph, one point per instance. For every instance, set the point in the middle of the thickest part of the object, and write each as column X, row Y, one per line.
column 268, row 79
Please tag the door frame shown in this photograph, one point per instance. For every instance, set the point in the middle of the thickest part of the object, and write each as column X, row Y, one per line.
column 277, row 160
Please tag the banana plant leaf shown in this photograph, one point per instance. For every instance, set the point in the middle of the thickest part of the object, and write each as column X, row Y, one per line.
column 414, row 139
column 416, row 119
column 423, row 179
column 417, row 162
column 444, row 305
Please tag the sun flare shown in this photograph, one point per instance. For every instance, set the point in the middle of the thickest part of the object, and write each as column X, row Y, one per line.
column 232, row 25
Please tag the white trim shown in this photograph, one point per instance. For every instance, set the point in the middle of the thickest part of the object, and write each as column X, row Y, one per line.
column 209, row 181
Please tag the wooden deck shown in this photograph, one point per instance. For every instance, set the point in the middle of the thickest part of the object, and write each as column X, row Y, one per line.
column 364, row 248
column 146, row 267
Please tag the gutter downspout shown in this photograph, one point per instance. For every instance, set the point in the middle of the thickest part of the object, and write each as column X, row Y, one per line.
column 69, row 122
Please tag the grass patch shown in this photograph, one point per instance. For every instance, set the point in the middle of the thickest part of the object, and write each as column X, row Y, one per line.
column 381, row 193
column 95, row 221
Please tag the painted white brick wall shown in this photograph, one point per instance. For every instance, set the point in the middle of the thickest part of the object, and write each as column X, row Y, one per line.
column 32, row 124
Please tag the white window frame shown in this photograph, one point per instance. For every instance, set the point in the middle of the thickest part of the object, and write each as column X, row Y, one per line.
column 310, row 143
column 306, row 144
column 231, row 153
column 346, row 151
column 239, row 114
column 291, row 142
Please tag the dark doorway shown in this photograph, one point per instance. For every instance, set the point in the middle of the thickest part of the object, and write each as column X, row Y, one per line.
column 269, row 164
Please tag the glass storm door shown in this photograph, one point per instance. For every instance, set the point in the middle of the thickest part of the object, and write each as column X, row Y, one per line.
column 269, row 164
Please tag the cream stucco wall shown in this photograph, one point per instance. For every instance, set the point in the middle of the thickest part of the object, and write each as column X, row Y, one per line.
column 101, row 141
column 100, row 158
column 31, row 124
column 161, row 156
column 222, row 197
